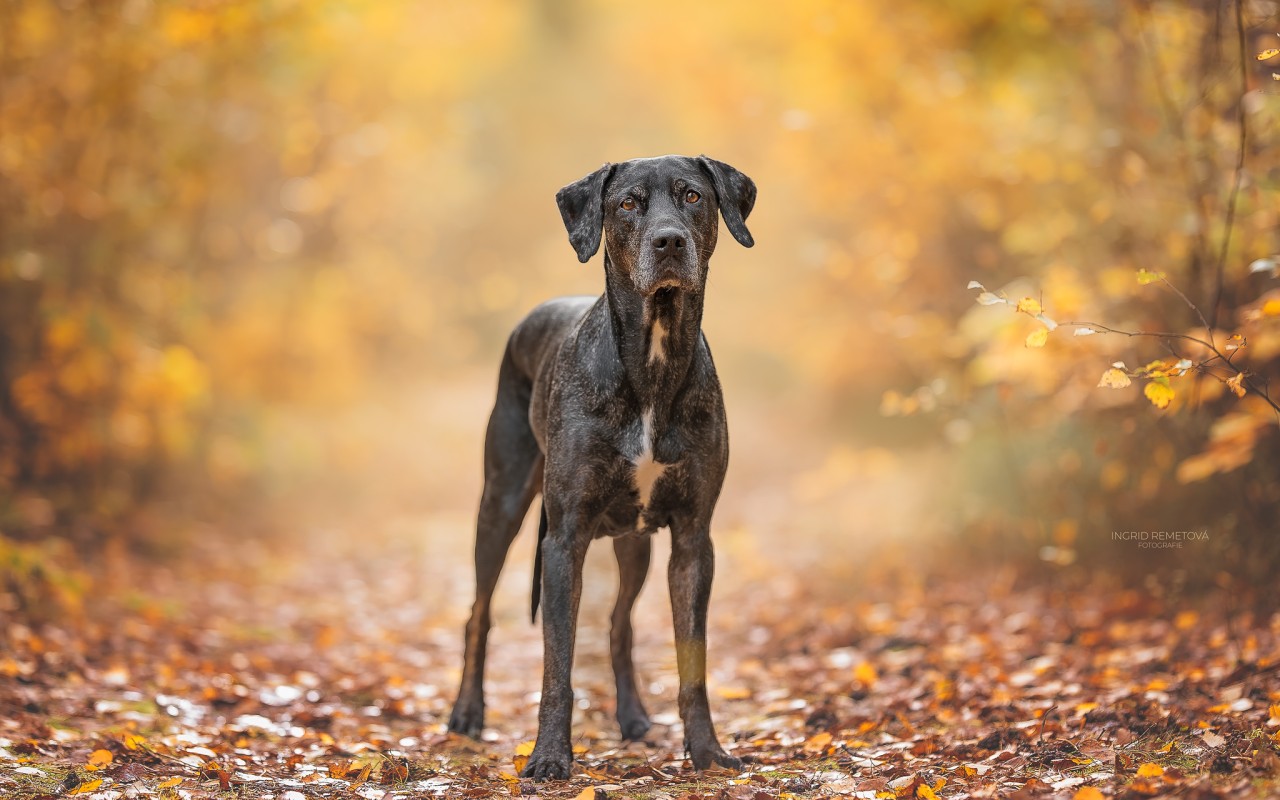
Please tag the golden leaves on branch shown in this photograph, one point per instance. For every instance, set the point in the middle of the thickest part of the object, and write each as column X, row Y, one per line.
column 1159, row 393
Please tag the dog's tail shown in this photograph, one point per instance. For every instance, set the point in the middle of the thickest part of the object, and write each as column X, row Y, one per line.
column 537, row 564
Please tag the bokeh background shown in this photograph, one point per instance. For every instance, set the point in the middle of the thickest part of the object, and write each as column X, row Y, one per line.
column 258, row 261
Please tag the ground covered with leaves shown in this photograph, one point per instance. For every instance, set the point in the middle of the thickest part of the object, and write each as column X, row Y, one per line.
column 333, row 679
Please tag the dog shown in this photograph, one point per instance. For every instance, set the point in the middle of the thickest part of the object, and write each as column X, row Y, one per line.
column 611, row 408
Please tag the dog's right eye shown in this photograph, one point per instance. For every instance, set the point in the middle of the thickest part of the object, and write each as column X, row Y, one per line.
column 629, row 204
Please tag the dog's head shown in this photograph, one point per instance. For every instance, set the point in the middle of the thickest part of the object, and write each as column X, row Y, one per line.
column 658, row 216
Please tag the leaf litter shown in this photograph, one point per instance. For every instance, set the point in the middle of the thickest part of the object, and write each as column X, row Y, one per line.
column 951, row 687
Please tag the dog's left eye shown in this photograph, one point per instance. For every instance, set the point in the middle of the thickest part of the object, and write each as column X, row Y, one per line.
column 691, row 196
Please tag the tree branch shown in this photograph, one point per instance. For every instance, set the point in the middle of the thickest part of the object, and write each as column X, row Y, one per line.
column 1239, row 175
column 1252, row 385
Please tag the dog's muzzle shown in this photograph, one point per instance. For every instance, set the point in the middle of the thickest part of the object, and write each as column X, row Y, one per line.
column 669, row 263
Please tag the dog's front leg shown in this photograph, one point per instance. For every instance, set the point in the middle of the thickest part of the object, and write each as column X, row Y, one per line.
column 689, row 576
column 563, row 552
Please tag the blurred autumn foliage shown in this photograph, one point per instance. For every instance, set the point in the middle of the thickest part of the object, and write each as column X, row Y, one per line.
column 253, row 253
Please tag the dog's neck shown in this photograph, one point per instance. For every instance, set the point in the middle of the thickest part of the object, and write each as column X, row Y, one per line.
column 656, row 337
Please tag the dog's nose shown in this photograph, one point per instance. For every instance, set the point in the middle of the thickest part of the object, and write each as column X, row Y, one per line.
column 668, row 242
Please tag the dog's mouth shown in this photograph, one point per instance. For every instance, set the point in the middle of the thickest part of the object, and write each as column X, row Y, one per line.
column 664, row 295
column 665, row 289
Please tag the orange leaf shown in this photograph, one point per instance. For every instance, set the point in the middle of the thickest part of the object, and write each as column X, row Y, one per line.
column 87, row 787
column 865, row 674
column 734, row 692
column 1150, row 770
column 1087, row 793
column 168, row 784
column 99, row 759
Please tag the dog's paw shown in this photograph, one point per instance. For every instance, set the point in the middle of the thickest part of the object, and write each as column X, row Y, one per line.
column 715, row 758
column 634, row 726
column 547, row 766
column 467, row 719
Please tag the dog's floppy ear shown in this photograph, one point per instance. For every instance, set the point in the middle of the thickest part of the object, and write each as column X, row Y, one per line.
column 582, row 209
column 736, row 194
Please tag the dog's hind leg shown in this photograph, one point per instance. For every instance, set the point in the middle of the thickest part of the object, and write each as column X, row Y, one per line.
column 633, row 566
column 512, row 477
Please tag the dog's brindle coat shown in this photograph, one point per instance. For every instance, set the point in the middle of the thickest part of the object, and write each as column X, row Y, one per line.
column 611, row 408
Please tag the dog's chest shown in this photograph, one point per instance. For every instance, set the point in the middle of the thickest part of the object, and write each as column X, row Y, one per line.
column 648, row 478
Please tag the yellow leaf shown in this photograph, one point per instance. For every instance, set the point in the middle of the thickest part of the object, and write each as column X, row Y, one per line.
column 1271, row 308
column 734, row 692
column 1158, row 394
column 1150, row 770
column 865, row 674
column 1085, row 708
column 1114, row 379
column 133, row 741
column 588, row 793
column 1236, row 384
column 1029, row 305
column 1088, row 793
column 1270, row 52
column 524, row 749
column 168, row 784
column 580, row 749
column 1038, row 337
column 924, row 792
column 87, row 787
column 99, row 759
column 1274, row 711
column 1145, row 277
column 508, row 777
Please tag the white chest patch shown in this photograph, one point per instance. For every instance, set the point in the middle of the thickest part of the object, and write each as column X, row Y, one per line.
column 648, row 471
column 657, row 343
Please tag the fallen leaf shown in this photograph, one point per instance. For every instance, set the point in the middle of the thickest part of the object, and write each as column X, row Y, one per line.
column 865, row 674
column 1087, row 793
column 87, row 787
column 1150, row 770
column 99, row 759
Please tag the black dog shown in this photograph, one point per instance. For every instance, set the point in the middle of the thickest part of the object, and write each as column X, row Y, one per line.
column 611, row 408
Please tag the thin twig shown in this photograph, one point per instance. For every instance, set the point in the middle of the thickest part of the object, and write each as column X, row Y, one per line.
column 1239, row 176
column 1208, row 328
